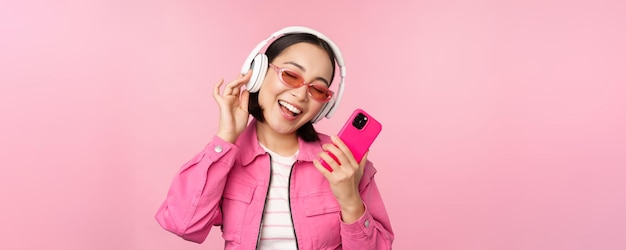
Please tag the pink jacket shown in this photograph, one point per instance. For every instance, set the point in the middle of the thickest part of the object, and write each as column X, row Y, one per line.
column 226, row 185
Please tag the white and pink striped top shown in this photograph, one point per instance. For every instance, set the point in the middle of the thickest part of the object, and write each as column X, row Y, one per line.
column 277, row 231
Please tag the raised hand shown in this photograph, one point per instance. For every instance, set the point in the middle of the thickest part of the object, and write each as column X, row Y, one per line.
column 344, row 179
column 233, row 106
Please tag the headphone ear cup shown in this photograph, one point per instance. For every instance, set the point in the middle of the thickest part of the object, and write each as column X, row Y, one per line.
column 324, row 111
column 259, row 69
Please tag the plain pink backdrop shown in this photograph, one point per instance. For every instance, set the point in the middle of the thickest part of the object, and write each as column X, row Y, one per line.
column 503, row 121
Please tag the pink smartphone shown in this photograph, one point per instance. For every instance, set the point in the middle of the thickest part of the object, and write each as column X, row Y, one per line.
column 358, row 133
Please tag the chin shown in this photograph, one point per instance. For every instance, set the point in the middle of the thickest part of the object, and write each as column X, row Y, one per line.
column 285, row 127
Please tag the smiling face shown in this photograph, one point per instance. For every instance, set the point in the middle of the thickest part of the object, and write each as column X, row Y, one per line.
column 286, row 108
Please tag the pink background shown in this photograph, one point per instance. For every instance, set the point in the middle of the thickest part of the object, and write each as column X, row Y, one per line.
column 503, row 122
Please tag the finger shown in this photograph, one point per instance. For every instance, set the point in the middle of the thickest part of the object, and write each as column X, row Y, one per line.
column 344, row 149
column 234, row 87
column 330, row 160
column 243, row 75
column 341, row 157
column 216, row 88
column 334, row 157
column 246, row 78
column 364, row 160
column 245, row 98
column 321, row 168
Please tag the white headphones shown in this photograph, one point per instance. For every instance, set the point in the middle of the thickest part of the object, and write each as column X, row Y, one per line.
column 258, row 62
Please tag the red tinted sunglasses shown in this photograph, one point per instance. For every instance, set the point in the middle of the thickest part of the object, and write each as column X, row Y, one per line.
column 291, row 78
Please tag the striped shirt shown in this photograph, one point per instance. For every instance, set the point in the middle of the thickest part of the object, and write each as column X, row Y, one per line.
column 277, row 231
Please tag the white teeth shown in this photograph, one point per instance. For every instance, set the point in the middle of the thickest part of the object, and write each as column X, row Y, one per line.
column 290, row 107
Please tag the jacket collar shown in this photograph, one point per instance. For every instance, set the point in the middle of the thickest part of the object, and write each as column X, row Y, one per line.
column 248, row 143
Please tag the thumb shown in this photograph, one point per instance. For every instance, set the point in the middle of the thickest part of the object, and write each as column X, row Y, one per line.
column 364, row 159
column 245, row 98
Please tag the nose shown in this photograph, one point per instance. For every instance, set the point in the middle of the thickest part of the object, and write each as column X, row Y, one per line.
column 300, row 92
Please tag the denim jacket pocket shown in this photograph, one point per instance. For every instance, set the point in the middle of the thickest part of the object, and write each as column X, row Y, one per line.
column 237, row 197
column 321, row 203
column 322, row 211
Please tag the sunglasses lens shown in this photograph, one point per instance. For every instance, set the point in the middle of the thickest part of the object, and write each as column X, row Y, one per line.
column 319, row 92
column 291, row 78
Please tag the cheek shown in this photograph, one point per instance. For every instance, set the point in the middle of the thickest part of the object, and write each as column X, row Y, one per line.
column 267, row 92
column 271, row 85
column 315, row 107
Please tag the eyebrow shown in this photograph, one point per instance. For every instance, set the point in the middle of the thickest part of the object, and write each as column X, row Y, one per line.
column 304, row 70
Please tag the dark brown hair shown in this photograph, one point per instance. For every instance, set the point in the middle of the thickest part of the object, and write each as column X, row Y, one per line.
column 306, row 131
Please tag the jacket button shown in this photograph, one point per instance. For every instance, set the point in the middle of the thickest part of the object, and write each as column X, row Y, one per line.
column 367, row 223
column 218, row 149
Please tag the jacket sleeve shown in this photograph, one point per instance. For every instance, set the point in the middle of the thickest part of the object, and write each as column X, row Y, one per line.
column 373, row 229
column 192, row 205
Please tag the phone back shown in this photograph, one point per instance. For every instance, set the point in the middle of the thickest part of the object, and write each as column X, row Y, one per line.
column 359, row 133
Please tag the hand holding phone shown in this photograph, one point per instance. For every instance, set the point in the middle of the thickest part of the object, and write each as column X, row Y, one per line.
column 358, row 133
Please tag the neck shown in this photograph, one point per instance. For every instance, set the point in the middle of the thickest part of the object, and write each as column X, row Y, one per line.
column 282, row 144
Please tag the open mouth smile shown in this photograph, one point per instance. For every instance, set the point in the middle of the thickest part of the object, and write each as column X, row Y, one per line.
column 293, row 110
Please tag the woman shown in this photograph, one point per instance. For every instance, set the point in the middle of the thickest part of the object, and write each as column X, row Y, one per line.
column 262, row 181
